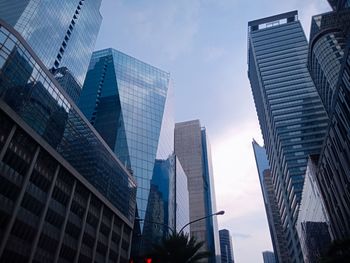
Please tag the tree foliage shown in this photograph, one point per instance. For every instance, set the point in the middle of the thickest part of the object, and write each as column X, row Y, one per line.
column 179, row 248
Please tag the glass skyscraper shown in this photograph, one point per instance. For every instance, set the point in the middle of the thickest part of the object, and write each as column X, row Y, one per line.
column 313, row 223
column 65, row 197
column 226, row 246
column 329, row 65
column 292, row 118
column 271, row 207
column 61, row 33
column 129, row 103
column 193, row 150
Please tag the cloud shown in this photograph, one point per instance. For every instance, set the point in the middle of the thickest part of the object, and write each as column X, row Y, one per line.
column 241, row 235
column 167, row 27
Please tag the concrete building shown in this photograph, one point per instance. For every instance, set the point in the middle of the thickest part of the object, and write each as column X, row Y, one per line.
column 193, row 150
column 65, row 196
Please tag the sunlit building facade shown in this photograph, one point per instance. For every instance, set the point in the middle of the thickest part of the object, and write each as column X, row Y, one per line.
column 292, row 118
column 65, row 197
column 193, row 150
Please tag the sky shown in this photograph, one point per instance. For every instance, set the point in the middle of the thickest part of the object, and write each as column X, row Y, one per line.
column 203, row 44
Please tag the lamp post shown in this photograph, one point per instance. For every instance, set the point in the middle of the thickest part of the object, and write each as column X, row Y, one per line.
column 189, row 223
column 199, row 219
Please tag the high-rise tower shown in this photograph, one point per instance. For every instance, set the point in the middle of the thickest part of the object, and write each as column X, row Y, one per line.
column 65, row 196
column 291, row 116
column 61, row 33
column 271, row 207
column 193, row 150
column 329, row 65
column 129, row 103
column 226, row 246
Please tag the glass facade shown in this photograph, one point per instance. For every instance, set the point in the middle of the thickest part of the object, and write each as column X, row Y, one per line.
column 269, row 257
column 291, row 115
column 182, row 205
column 64, row 195
column 226, row 246
column 278, row 238
column 329, row 62
column 61, row 33
column 130, row 104
column 313, row 222
column 29, row 89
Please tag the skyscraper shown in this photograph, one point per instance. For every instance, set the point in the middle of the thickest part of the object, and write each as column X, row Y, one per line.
column 226, row 246
column 291, row 116
column 129, row 103
column 271, row 207
column 269, row 257
column 193, row 150
column 329, row 65
column 61, row 33
column 313, row 223
column 65, row 197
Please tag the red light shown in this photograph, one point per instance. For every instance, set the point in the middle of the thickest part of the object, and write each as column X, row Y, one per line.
column 148, row 260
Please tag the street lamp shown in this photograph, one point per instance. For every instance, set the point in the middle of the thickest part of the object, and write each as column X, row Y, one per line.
column 156, row 223
column 191, row 222
column 199, row 219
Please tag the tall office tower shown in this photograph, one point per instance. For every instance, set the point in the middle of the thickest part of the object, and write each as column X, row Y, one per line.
column 291, row 115
column 129, row 103
column 61, row 33
column 193, row 150
column 313, row 223
column 269, row 257
column 64, row 195
column 278, row 238
column 226, row 246
column 329, row 66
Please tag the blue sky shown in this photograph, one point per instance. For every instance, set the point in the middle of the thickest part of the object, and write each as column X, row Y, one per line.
column 203, row 44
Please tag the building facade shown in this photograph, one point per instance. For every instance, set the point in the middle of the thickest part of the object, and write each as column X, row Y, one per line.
column 193, row 150
column 65, row 196
column 313, row 223
column 278, row 238
column 329, row 66
column 291, row 115
column 61, row 33
column 226, row 246
column 129, row 102
column 269, row 257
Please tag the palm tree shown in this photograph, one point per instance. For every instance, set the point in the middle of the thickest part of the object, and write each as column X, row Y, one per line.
column 179, row 248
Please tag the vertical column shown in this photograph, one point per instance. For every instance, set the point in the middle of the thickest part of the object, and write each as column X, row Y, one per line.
column 120, row 241
column 18, row 202
column 80, row 239
column 43, row 214
column 110, row 239
column 97, row 234
column 130, row 240
column 57, row 253
column 7, row 143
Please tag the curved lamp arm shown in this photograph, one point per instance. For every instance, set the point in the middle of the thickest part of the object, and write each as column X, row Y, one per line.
column 199, row 219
